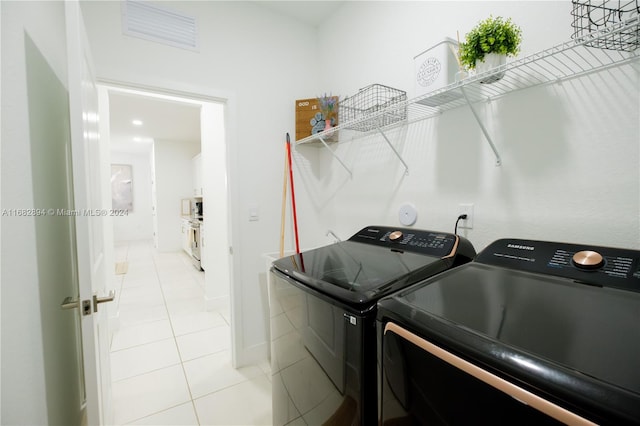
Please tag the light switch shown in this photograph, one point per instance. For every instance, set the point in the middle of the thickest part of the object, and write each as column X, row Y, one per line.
column 254, row 214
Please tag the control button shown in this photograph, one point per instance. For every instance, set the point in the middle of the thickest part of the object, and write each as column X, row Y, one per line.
column 587, row 259
column 395, row 236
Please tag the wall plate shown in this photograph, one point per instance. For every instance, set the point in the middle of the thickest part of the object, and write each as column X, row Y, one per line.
column 407, row 214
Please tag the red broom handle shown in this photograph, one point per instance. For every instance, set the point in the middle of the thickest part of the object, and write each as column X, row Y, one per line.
column 293, row 195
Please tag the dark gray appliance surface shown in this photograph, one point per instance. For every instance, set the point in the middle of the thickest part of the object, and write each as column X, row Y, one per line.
column 530, row 311
column 371, row 264
column 323, row 318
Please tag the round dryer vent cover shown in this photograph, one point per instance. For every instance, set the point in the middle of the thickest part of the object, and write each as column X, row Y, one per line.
column 407, row 214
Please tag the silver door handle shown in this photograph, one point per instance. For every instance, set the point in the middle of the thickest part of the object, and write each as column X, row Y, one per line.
column 69, row 303
column 97, row 300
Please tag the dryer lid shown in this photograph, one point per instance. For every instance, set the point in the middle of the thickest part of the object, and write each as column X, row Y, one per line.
column 593, row 331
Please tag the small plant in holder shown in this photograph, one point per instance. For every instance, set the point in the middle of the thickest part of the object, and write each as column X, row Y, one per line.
column 491, row 38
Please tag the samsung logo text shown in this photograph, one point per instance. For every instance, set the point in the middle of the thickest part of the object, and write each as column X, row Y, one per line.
column 519, row 247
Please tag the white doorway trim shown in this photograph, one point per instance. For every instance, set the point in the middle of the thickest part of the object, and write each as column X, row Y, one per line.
column 228, row 100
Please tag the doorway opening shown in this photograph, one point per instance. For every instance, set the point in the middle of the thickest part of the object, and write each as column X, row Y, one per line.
column 179, row 128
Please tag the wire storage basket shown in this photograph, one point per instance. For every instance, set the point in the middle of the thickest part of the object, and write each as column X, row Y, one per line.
column 370, row 102
column 590, row 16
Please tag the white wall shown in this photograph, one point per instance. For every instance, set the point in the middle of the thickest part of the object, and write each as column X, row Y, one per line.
column 174, row 182
column 138, row 224
column 215, row 249
column 24, row 400
column 570, row 151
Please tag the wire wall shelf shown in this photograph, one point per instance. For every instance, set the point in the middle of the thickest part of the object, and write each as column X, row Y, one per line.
column 559, row 63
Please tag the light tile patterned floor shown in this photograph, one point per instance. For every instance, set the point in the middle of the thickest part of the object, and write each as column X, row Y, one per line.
column 170, row 359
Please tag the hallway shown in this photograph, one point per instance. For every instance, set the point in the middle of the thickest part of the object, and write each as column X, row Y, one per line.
column 171, row 359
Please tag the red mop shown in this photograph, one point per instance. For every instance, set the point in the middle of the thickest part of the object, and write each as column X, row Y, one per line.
column 293, row 195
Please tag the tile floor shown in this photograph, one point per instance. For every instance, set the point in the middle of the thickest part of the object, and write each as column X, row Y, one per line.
column 170, row 358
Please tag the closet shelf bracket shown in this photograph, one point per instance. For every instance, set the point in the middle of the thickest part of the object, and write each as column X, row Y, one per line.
column 335, row 156
column 482, row 127
column 395, row 151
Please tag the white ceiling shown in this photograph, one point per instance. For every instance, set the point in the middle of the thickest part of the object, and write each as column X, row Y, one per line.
column 161, row 118
column 310, row 12
column 178, row 121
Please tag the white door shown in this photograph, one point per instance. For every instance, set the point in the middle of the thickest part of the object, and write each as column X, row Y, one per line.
column 88, row 186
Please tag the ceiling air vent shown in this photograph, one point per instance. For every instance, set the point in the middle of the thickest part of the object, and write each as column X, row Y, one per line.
column 145, row 20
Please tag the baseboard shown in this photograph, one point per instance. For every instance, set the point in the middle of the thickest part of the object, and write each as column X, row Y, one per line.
column 252, row 355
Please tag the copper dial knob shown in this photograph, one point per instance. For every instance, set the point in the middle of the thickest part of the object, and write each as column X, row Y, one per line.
column 588, row 259
column 395, row 236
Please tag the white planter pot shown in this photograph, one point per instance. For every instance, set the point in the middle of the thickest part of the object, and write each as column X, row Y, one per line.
column 488, row 63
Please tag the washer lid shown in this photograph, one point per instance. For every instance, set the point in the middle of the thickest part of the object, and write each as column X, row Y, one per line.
column 358, row 273
column 593, row 331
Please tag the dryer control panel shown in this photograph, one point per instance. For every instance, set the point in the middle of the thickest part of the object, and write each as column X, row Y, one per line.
column 594, row 265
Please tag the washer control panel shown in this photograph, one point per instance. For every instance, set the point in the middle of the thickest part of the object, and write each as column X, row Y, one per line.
column 600, row 266
column 433, row 243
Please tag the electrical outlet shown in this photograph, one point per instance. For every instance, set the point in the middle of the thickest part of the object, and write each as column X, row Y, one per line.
column 468, row 210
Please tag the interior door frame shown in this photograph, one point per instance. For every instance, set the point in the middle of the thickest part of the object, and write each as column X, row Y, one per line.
column 228, row 100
